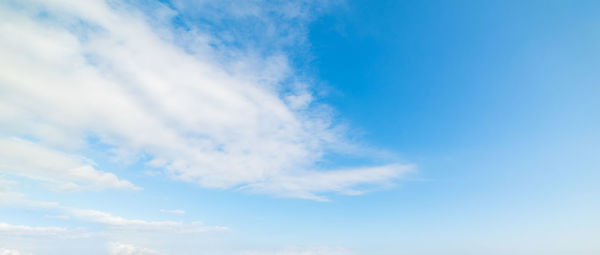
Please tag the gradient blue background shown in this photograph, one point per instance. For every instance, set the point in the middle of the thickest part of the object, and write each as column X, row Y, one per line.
column 498, row 103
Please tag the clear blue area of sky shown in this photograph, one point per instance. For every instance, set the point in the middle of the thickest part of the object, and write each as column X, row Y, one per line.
column 497, row 102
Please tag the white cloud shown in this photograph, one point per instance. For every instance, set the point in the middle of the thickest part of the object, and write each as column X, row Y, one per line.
column 4, row 251
column 67, row 172
column 129, row 249
column 342, row 181
column 108, row 227
column 105, row 71
column 109, row 221
column 57, row 217
column 176, row 211
column 5, row 185
column 123, row 224
column 27, row 231
column 303, row 251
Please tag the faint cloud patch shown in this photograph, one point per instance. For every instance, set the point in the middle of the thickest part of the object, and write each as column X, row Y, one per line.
column 176, row 211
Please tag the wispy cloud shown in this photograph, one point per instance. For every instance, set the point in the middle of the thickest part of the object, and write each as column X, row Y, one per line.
column 28, row 231
column 306, row 185
column 66, row 172
column 107, row 227
column 123, row 224
column 129, row 249
column 58, row 217
column 302, row 251
column 176, row 211
column 108, row 71
column 4, row 251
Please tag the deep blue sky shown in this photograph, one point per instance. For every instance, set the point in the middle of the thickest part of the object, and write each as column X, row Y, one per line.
column 458, row 73
column 496, row 101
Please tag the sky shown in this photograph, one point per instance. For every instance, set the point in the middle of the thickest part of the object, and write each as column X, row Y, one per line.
column 299, row 127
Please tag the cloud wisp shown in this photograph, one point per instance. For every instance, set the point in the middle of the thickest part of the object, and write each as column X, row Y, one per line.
column 174, row 211
column 64, row 171
column 129, row 249
column 101, row 226
column 136, row 225
column 5, row 251
column 27, row 231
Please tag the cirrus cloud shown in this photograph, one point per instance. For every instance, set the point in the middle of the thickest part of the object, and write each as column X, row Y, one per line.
column 106, row 70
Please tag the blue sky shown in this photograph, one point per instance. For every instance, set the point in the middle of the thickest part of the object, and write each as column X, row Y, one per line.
column 299, row 127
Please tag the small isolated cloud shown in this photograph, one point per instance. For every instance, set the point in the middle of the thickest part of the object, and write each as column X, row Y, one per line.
column 129, row 249
column 176, row 211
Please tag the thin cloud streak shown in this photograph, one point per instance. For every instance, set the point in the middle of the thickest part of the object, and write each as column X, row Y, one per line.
column 28, row 231
column 176, row 211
